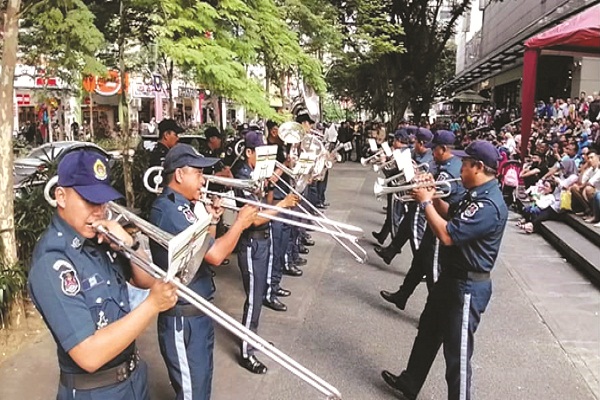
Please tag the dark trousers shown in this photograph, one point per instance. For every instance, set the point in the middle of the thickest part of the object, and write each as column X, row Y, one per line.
column 186, row 345
column 547, row 214
column 321, row 188
column 424, row 263
column 451, row 317
column 253, row 260
column 280, row 237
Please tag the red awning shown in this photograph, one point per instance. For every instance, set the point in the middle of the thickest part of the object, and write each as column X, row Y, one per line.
column 580, row 34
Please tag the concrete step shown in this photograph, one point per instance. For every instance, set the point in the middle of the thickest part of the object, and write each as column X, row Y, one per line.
column 588, row 230
column 580, row 251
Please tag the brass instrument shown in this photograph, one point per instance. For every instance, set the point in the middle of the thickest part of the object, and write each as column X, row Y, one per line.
column 219, row 316
column 404, row 192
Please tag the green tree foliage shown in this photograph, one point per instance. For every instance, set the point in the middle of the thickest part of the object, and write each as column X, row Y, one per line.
column 400, row 43
column 60, row 37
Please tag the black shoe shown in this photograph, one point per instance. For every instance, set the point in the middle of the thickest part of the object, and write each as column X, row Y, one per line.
column 282, row 292
column 275, row 304
column 306, row 236
column 385, row 253
column 300, row 261
column 326, row 204
column 399, row 383
column 307, row 242
column 394, row 298
column 292, row 270
column 303, row 250
column 225, row 262
column 253, row 365
column 321, row 206
column 378, row 237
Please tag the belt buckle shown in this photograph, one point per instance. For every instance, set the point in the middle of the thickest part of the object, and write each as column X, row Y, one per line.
column 123, row 373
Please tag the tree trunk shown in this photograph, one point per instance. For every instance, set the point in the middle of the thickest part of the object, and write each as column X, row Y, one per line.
column 124, row 115
column 8, row 243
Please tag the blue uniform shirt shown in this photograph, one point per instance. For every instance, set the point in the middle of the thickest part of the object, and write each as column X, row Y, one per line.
column 78, row 286
column 450, row 169
column 172, row 213
column 476, row 228
column 425, row 158
column 245, row 172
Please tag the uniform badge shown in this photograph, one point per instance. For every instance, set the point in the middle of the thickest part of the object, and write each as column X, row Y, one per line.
column 471, row 210
column 189, row 215
column 69, row 282
column 102, row 320
column 100, row 170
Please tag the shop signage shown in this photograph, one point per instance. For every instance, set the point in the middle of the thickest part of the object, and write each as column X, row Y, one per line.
column 23, row 99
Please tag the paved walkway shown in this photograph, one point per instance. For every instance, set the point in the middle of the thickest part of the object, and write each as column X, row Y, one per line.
column 539, row 339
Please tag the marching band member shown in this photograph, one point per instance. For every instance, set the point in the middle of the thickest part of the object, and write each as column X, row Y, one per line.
column 426, row 258
column 168, row 136
column 253, row 253
column 413, row 224
column 79, row 285
column 280, row 232
column 471, row 232
column 186, row 334
column 401, row 141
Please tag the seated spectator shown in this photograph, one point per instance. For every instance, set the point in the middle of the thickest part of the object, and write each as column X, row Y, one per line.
column 534, row 170
column 545, row 198
column 583, row 193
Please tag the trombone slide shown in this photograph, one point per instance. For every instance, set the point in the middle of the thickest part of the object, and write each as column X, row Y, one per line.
column 227, row 321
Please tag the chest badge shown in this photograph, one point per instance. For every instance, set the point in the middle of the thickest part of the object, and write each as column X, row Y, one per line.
column 102, row 320
column 189, row 215
column 471, row 210
column 69, row 282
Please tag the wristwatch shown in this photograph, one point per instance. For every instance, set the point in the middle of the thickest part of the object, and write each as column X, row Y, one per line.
column 424, row 204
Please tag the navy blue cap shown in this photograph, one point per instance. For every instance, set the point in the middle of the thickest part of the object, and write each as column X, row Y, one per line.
column 168, row 124
column 443, row 138
column 402, row 135
column 483, row 151
column 253, row 140
column 212, row 131
column 87, row 172
column 424, row 135
column 183, row 155
column 412, row 129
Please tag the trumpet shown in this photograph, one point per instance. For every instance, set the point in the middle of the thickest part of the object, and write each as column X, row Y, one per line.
column 184, row 292
column 371, row 159
column 403, row 192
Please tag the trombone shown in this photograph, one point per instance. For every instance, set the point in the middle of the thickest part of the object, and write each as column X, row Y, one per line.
column 403, row 192
column 219, row 316
column 254, row 186
column 361, row 259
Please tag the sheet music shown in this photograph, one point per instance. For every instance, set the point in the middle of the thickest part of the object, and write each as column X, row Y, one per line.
column 266, row 158
column 187, row 249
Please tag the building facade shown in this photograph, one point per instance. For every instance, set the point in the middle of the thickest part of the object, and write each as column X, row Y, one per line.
column 490, row 48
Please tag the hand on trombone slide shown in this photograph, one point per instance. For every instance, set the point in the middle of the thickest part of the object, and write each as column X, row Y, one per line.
column 214, row 207
column 290, row 201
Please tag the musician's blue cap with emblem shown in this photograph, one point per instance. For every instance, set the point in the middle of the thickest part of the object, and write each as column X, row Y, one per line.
column 443, row 138
column 402, row 135
column 481, row 150
column 183, row 155
column 253, row 140
column 424, row 135
column 87, row 172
